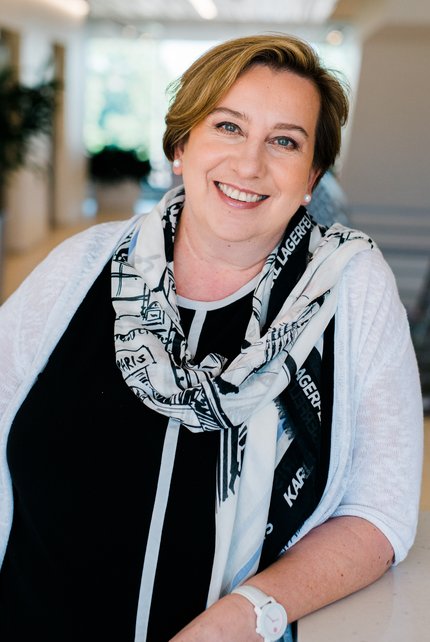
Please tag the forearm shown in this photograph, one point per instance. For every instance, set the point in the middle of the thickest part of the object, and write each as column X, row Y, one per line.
column 333, row 560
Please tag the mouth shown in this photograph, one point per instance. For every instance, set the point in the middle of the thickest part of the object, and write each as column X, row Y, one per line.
column 240, row 195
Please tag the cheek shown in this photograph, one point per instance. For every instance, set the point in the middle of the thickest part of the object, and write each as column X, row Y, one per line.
column 292, row 181
column 198, row 156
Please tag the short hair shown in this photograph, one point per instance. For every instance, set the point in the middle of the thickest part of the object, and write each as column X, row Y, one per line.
column 208, row 79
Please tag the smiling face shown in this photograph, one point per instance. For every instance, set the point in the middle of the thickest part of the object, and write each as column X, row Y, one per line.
column 248, row 165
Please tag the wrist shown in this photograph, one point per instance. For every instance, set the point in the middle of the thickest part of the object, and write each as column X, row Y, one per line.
column 270, row 617
column 245, row 617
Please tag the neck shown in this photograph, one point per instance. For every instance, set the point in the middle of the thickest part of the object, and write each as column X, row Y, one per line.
column 211, row 271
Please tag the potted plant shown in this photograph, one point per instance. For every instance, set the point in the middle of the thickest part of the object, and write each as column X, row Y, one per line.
column 117, row 175
column 25, row 112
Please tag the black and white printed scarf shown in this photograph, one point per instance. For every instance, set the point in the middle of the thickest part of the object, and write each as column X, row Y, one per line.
column 240, row 398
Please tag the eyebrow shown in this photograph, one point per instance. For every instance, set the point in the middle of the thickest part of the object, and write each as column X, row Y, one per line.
column 242, row 116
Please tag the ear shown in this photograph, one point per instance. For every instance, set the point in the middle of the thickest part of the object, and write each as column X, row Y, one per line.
column 313, row 176
column 177, row 167
column 177, row 161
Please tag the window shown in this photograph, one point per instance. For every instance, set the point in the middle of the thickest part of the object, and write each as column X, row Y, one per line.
column 127, row 78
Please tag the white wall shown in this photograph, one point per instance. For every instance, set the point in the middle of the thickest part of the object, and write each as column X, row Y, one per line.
column 388, row 158
column 386, row 171
column 41, row 24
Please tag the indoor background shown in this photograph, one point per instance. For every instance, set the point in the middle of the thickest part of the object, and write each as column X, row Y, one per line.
column 112, row 61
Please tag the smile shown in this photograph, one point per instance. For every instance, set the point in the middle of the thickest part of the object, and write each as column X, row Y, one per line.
column 239, row 195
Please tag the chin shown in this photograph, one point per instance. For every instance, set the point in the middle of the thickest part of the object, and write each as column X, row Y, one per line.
column 233, row 234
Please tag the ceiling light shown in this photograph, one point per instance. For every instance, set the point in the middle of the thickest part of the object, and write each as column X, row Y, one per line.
column 334, row 37
column 77, row 8
column 205, row 8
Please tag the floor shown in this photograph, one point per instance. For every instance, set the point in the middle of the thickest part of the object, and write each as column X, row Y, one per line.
column 19, row 265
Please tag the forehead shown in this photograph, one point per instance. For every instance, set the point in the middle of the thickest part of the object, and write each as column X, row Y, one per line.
column 273, row 81
column 273, row 91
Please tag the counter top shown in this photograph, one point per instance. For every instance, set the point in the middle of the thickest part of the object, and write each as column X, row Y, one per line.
column 396, row 608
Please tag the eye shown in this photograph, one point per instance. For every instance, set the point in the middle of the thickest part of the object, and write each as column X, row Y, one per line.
column 285, row 142
column 229, row 128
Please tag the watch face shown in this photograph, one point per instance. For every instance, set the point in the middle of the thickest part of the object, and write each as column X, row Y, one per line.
column 272, row 622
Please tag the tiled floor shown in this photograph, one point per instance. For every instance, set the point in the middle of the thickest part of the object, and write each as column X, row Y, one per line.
column 19, row 265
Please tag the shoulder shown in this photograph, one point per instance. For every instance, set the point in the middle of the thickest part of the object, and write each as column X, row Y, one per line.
column 79, row 255
column 91, row 242
column 70, row 266
column 368, row 285
column 372, row 324
column 41, row 306
column 370, row 267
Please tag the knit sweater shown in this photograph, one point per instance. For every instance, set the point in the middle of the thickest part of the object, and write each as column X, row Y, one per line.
column 377, row 434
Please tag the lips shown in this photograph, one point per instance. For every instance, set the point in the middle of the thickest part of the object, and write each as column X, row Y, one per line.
column 240, row 195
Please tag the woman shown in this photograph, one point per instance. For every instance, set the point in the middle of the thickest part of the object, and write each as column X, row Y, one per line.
column 213, row 396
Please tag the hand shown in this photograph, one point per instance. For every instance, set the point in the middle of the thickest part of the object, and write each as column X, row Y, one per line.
column 231, row 619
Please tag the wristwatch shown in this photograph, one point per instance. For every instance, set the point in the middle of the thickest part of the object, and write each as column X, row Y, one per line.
column 271, row 616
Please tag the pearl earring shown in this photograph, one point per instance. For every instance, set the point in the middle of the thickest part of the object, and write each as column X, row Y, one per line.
column 307, row 198
column 177, row 162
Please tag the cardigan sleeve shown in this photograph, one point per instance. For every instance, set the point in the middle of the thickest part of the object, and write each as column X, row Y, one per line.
column 385, row 470
column 12, row 370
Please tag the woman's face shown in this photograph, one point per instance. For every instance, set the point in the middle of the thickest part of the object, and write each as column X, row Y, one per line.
column 248, row 165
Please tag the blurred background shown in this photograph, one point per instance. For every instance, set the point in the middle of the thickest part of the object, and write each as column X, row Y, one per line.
column 82, row 104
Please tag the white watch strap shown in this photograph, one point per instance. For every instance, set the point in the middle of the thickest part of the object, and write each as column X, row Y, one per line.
column 265, row 623
column 254, row 595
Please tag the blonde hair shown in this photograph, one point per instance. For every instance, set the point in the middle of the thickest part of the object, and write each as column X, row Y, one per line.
column 208, row 79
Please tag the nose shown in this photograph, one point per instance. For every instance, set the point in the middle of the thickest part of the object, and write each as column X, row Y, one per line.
column 248, row 159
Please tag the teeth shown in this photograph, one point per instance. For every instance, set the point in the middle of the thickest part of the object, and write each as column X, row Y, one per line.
column 238, row 195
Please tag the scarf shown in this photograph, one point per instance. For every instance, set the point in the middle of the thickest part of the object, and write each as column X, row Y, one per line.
column 241, row 398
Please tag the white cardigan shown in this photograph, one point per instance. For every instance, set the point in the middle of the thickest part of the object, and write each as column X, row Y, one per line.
column 377, row 434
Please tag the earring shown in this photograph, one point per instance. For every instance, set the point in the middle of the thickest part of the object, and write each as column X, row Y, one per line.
column 307, row 198
column 177, row 162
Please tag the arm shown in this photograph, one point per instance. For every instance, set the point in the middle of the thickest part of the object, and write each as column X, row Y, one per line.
column 377, row 514
column 11, row 365
column 335, row 559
